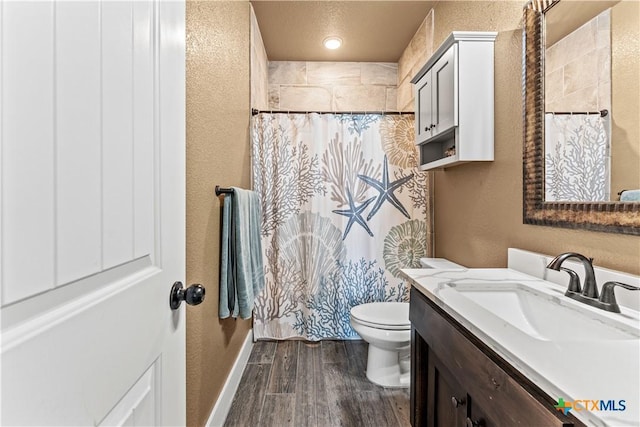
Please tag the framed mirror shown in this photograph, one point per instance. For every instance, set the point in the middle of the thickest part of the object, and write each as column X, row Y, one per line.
column 581, row 138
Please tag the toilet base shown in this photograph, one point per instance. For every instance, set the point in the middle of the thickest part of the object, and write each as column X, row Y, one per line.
column 390, row 369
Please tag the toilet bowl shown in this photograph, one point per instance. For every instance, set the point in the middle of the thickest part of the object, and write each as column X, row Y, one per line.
column 385, row 326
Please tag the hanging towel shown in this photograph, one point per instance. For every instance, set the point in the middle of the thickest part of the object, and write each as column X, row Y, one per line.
column 241, row 271
column 630, row 196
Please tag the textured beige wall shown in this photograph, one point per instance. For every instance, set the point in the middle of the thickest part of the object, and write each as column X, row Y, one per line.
column 218, row 49
column 478, row 207
column 625, row 64
column 332, row 86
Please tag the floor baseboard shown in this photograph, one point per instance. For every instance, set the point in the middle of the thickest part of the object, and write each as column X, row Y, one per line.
column 221, row 408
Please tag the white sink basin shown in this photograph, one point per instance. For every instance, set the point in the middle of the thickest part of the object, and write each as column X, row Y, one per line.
column 541, row 315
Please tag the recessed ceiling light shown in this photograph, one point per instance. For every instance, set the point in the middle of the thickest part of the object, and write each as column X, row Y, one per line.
column 332, row 42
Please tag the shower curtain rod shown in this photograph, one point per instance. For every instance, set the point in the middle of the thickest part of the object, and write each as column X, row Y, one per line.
column 603, row 113
column 256, row 111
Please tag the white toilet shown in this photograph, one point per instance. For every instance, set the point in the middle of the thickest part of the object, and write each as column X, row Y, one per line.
column 385, row 326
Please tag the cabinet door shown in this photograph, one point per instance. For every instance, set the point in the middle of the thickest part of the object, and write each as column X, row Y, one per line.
column 423, row 107
column 447, row 401
column 444, row 92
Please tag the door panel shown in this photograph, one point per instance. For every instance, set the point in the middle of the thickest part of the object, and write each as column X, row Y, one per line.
column 89, row 248
column 27, row 166
column 424, row 121
column 78, row 145
column 444, row 92
column 117, row 135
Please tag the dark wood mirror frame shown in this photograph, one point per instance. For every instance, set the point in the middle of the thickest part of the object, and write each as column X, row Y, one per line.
column 610, row 217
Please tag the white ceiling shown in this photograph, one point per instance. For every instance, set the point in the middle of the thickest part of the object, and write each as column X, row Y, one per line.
column 372, row 31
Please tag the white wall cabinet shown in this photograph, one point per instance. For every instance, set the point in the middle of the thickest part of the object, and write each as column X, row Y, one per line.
column 454, row 102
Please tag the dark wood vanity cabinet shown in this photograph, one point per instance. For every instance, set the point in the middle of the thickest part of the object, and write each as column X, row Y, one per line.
column 457, row 380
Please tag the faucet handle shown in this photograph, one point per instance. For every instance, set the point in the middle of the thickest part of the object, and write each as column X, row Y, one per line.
column 608, row 297
column 574, row 281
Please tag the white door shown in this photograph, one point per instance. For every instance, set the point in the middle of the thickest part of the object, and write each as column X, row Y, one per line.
column 92, row 217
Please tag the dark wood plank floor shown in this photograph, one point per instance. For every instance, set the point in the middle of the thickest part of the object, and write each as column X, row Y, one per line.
column 295, row 383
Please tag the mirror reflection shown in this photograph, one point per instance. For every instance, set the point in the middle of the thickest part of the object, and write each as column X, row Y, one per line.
column 592, row 102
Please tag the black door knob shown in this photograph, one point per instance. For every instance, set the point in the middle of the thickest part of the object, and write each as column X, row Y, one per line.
column 193, row 295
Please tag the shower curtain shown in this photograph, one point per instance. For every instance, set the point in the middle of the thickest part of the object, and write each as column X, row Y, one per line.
column 343, row 210
column 577, row 157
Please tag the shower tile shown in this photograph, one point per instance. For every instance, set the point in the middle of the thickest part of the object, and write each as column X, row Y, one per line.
column 405, row 94
column 391, row 102
column 379, row 73
column 274, row 97
column 305, row 98
column 333, row 73
column 359, row 98
column 581, row 73
column 287, row 72
column 604, row 65
column 604, row 97
column 553, row 85
column 585, row 99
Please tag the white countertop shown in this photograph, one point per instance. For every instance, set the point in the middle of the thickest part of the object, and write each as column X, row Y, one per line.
column 572, row 370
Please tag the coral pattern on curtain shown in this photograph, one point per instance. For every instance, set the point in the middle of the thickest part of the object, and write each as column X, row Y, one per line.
column 344, row 208
column 577, row 158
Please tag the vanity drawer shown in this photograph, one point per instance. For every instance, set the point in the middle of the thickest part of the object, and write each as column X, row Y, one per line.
column 501, row 393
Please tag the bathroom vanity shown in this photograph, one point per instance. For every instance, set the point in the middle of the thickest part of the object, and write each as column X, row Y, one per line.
column 502, row 347
column 465, row 383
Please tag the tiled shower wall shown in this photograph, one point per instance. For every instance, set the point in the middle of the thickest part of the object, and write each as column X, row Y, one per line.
column 259, row 68
column 332, row 86
column 338, row 86
column 415, row 55
column 578, row 68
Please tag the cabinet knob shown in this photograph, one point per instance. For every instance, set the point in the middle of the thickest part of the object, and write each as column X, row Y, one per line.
column 472, row 423
column 457, row 402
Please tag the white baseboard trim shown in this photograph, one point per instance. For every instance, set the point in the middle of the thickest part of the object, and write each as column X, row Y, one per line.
column 221, row 408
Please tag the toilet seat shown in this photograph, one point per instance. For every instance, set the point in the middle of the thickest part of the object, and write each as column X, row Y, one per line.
column 391, row 316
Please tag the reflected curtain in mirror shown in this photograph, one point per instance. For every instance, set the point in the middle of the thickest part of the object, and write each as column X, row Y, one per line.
column 614, row 217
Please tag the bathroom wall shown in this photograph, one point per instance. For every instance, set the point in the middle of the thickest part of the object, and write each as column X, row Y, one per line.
column 259, row 68
column 625, row 64
column 218, row 93
column 332, row 86
column 415, row 55
column 478, row 207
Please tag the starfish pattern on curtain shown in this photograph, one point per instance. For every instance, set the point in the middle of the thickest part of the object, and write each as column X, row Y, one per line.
column 318, row 176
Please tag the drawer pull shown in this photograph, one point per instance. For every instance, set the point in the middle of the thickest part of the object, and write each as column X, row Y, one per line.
column 458, row 402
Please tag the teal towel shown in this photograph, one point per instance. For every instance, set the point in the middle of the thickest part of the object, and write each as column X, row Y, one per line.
column 630, row 196
column 241, row 268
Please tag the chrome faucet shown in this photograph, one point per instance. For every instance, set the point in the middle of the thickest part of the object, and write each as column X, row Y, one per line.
column 589, row 295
